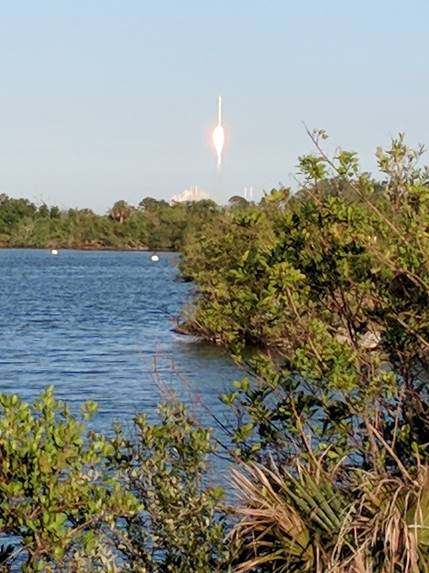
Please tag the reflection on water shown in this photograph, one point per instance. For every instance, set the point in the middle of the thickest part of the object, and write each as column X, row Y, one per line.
column 97, row 325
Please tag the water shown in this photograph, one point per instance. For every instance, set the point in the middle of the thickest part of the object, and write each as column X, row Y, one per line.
column 98, row 325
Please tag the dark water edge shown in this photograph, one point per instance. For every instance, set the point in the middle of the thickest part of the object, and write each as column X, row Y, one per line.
column 98, row 325
column 106, row 248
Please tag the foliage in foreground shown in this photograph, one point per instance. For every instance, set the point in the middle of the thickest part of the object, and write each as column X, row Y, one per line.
column 78, row 501
column 55, row 494
column 309, row 518
column 329, row 314
column 336, row 300
column 165, row 466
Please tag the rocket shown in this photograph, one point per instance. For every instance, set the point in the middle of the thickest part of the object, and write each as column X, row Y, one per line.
column 219, row 134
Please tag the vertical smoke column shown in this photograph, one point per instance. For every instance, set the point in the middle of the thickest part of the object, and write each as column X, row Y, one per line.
column 219, row 134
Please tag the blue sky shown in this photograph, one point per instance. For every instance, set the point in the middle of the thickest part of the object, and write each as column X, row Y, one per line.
column 103, row 100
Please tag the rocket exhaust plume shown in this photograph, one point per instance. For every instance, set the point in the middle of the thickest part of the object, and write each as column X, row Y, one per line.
column 219, row 134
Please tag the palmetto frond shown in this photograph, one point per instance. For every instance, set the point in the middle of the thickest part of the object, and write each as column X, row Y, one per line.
column 304, row 520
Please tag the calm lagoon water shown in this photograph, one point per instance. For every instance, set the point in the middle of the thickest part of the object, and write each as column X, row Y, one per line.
column 98, row 325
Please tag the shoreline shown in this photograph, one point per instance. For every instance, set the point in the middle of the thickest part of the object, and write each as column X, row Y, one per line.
column 89, row 248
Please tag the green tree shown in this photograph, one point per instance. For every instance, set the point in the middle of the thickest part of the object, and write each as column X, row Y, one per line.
column 54, row 212
column 55, row 492
column 43, row 210
column 330, row 317
column 120, row 211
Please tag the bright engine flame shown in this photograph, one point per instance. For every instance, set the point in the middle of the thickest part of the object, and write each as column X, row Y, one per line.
column 219, row 142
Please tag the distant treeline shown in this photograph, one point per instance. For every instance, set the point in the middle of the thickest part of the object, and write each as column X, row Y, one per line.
column 153, row 224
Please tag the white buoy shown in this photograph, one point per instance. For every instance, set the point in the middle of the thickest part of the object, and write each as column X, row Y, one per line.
column 154, row 258
column 54, row 252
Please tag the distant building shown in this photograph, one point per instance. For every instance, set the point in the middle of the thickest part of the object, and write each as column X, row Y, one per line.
column 192, row 194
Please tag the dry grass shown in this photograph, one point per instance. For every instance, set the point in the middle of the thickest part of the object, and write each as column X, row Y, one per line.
column 310, row 520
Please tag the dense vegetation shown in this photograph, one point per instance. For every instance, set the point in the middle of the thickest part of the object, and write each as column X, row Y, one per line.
column 152, row 224
column 81, row 502
column 322, row 297
column 330, row 289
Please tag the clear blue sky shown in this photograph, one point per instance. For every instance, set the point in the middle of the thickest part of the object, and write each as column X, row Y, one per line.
column 103, row 100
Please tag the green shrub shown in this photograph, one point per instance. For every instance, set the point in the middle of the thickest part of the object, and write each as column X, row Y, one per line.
column 56, row 495
column 165, row 466
column 80, row 502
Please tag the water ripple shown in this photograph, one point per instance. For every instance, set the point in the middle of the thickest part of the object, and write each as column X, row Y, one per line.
column 97, row 325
